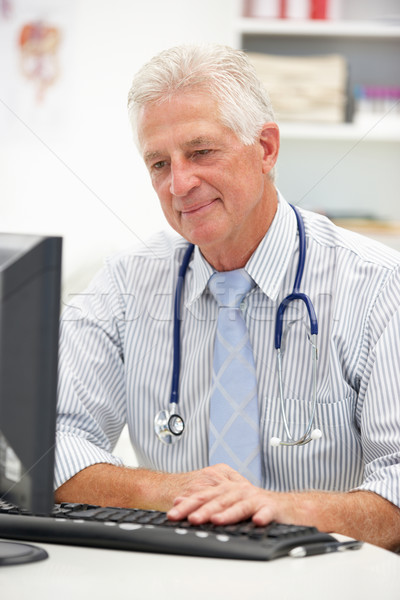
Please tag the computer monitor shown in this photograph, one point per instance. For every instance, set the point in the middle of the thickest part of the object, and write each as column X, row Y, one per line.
column 30, row 275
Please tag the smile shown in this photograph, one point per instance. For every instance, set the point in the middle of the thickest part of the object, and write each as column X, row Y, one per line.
column 197, row 210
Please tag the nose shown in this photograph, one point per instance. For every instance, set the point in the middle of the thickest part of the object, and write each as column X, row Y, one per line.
column 183, row 178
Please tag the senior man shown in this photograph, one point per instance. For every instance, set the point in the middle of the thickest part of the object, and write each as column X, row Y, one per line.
column 205, row 128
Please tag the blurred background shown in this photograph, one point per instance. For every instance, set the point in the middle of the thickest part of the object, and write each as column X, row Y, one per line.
column 68, row 165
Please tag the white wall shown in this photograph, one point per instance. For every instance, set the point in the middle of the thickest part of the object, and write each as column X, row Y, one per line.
column 69, row 167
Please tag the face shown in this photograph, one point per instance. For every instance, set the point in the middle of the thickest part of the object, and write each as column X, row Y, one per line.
column 213, row 189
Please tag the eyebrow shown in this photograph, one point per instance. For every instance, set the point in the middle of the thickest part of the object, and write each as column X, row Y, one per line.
column 150, row 156
column 199, row 141
column 194, row 143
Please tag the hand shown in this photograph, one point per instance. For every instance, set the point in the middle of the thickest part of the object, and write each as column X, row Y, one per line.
column 185, row 485
column 228, row 502
column 360, row 514
column 110, row 485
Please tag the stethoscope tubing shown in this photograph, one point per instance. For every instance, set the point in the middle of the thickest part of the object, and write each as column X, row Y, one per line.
column 296, row 294
column 164, row 419
column 177, row 325
column 309, row 434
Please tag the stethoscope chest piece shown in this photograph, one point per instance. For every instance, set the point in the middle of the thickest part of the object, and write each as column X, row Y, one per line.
column 168, row 426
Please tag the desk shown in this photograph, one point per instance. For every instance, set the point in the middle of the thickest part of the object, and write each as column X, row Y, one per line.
column 75, row 573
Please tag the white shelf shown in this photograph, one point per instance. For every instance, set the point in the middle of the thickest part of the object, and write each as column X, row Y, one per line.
column 314, row 28
column 369, row 177
column 377, row 130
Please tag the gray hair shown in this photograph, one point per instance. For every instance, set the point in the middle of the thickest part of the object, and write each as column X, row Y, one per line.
column 221, row 71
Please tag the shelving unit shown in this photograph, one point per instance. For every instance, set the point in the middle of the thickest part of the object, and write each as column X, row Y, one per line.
column 349, row 167
column 371, row 130
column 310, row 28
column 372, row 49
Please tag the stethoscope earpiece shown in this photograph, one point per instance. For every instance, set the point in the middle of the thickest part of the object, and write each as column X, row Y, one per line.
column 275, row 441
column 316, row 434
column 309, row 433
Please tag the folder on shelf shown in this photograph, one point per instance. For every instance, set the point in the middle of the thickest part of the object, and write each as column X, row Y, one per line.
column 305, row 88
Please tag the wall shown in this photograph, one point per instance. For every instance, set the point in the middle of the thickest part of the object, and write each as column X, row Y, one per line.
column 69, row 166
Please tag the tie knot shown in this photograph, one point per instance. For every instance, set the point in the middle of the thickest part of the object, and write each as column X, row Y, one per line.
column 230, row 287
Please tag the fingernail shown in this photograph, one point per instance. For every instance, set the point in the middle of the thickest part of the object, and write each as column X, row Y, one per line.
column 173, row 513
column 196, row 518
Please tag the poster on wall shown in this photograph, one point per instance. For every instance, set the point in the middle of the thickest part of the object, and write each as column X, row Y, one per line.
column 36, row 64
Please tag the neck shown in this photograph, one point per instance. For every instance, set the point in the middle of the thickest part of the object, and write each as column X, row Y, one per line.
column 232, row 259
column 236, row 252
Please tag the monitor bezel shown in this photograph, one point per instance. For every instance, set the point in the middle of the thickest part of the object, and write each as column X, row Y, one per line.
column 30, row 289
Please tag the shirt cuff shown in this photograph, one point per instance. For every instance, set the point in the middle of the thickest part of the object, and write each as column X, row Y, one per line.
column 74, row 453
column 385, row 483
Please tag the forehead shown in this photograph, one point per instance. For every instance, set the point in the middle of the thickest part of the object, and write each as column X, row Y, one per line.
column 186, row 119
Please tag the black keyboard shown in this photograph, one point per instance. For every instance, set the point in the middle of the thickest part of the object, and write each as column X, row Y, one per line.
column 151, row 531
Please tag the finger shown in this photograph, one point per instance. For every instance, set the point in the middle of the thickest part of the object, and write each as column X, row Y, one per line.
column 184, row 506
column 249, row 502
column 178, row 500
column 188, row 503
column 263, row 516
column 201, row 505
column 239, row 510
column 230, row 505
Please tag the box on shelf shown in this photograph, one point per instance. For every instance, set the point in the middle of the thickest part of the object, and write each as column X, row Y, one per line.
column 306, row 88
column 293, row 9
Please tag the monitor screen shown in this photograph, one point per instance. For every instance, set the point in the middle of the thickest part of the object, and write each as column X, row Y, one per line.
column 30, row 275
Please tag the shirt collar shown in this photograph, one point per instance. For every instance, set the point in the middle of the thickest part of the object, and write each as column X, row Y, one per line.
column 270, row 261
column 267, row 265
column 202, row 271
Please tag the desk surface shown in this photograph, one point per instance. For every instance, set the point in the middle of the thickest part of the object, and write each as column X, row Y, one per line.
column 87, row 573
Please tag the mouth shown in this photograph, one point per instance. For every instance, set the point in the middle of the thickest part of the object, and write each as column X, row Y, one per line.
column 198, row 210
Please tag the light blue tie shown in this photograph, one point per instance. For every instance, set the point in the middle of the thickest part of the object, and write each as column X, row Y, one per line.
column 234, row 436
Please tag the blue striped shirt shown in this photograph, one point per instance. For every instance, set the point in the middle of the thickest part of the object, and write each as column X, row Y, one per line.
column 116, row 352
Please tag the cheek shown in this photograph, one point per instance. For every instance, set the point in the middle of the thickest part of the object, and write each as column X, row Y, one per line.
column 162, row 189
column 248, row 188
column 165, row 199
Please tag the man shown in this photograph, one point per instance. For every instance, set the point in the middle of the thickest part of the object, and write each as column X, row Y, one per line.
column 205, row 129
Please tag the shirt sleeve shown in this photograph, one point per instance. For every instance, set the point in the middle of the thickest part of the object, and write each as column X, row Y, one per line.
column 380, row 386
column 91, row 410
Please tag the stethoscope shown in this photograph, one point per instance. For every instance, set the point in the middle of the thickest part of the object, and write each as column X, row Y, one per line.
column 169, row 424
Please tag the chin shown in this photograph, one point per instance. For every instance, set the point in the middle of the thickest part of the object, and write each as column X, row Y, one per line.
column 202, row 236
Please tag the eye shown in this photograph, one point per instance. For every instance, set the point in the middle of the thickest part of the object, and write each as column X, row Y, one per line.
column 206, row 152
column 159, row 165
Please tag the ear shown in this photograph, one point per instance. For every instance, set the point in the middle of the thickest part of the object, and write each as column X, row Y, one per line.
column 269, row 140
